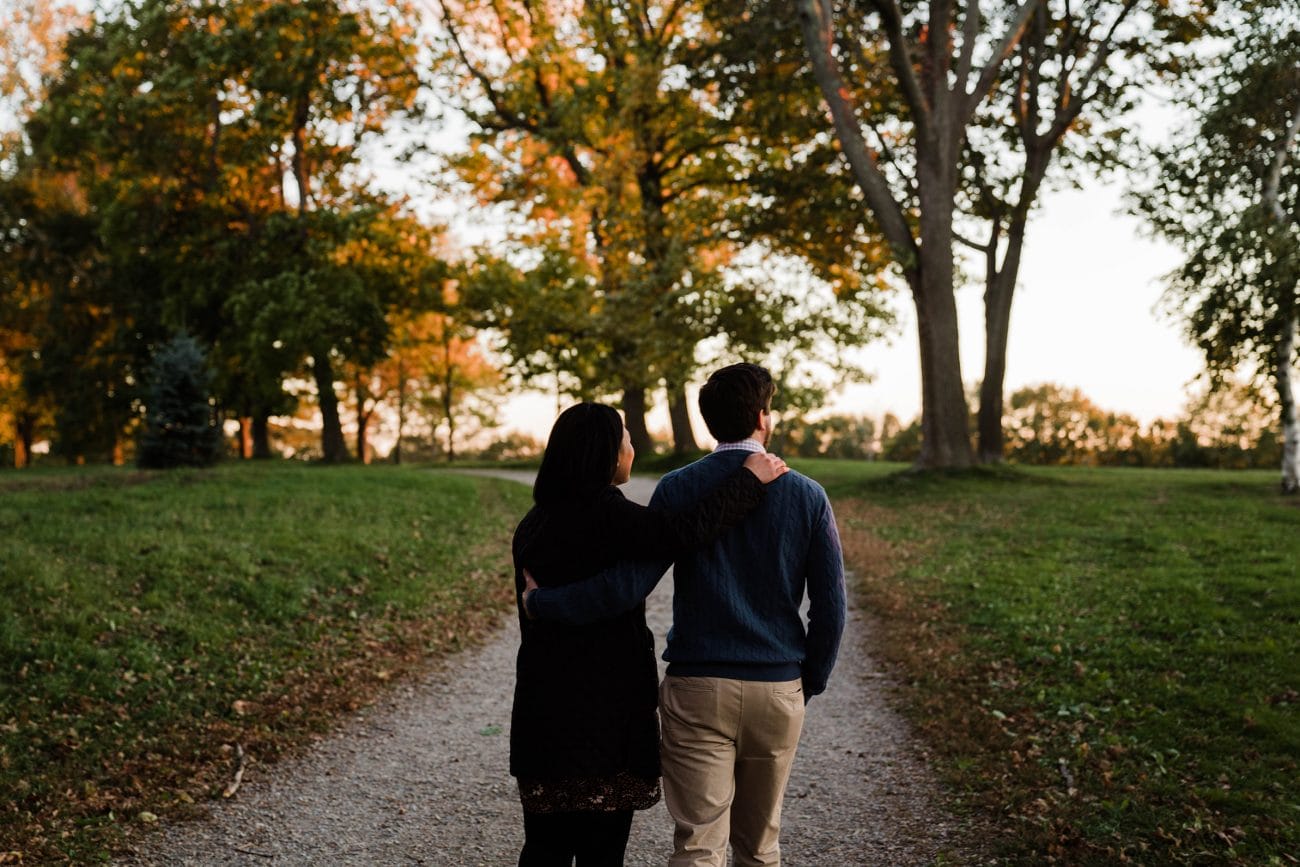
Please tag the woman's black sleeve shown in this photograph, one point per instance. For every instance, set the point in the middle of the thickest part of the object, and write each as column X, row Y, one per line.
column 645, row 532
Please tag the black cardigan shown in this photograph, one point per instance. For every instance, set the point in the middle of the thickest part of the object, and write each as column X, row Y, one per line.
column 585, row 696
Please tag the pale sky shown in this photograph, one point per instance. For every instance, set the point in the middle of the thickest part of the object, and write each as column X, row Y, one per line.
column 1084, row 315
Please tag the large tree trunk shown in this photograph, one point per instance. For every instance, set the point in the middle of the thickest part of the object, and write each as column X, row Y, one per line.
column 945, row 416
column 1286, row 345
column 945, row 426
column 333, row 448
column 261, row 434
column 1286, row 397
column 679, row 413
column 244, row 438
column 999, row 287
column 25, row 432
column 363, row 437
column 634, row 418
column 992, row 391
column 401, row 410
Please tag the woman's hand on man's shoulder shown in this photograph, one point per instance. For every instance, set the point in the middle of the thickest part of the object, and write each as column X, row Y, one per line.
column 766, row 466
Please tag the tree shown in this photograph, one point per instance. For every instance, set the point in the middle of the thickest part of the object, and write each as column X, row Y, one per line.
column 1226, row 425
column 328, row 76
column 434, row 371
column 1228, row 193
column 583, row 116
column 179, row 429
column 835, row 436
column 1230, row 424
column 31, row 48
column 608, row 128
column 1048, row 424
column 948, row 67
column 219, row 149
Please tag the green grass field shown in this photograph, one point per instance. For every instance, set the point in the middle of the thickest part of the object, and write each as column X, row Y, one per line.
column 1107, row 660
column 155, row 621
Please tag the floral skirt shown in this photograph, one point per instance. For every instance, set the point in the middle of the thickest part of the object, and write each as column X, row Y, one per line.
column 622, row 791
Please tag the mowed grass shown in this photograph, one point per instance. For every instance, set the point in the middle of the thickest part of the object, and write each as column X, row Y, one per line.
column 1107, row 661
column 155, row 622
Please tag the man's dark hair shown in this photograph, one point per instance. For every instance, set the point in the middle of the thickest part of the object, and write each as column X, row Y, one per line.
column 732, row 399
column 581, row 454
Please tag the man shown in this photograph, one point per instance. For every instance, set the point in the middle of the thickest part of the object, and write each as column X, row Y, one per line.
column 741, row 664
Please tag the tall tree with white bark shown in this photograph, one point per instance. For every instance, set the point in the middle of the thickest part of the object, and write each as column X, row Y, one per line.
column 1228, row 193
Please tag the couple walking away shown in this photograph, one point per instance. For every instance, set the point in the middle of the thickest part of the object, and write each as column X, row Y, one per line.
column 749, row 538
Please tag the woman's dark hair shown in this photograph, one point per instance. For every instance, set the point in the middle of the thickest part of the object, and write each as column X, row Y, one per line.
column 581, row 454
column 732, row 399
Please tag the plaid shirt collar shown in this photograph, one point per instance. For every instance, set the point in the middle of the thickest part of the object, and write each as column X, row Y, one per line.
column 746, row 445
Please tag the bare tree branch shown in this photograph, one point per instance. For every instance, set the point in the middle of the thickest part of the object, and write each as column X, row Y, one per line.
column 1071, row 108
column 818, row 29
column 888, row 153
column 1004, row 48
column 970, row 34
column 513, row 119
column 900, row 58
column 974, row 245
column 1274, row 177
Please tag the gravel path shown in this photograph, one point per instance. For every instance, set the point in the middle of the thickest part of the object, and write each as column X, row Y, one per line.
column 421, row 778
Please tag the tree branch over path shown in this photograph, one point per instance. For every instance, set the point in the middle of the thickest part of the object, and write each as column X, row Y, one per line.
column 814, row 17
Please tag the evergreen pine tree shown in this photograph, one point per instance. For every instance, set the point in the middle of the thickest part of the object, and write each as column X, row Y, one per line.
column 178, row 418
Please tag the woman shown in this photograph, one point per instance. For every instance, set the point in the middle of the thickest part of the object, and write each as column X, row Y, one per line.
column 584, row 738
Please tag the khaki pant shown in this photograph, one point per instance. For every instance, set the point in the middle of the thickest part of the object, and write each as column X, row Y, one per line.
column 727, row 750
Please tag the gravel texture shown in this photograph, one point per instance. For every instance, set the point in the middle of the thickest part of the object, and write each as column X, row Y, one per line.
column 421, row 778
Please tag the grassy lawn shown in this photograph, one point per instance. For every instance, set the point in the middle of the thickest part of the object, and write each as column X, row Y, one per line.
column 155, row 621
column 1106, row 660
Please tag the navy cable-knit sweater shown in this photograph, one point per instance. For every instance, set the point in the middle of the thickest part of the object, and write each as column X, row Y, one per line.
column 736, row 601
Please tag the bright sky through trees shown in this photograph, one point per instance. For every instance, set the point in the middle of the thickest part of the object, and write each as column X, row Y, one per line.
column 1082, row 319
column 1086, row 317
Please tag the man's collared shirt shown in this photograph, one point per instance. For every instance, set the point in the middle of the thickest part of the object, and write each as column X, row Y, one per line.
column 749, row 444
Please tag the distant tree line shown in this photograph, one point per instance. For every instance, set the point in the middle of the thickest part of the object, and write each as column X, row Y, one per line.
column 1230, row 427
